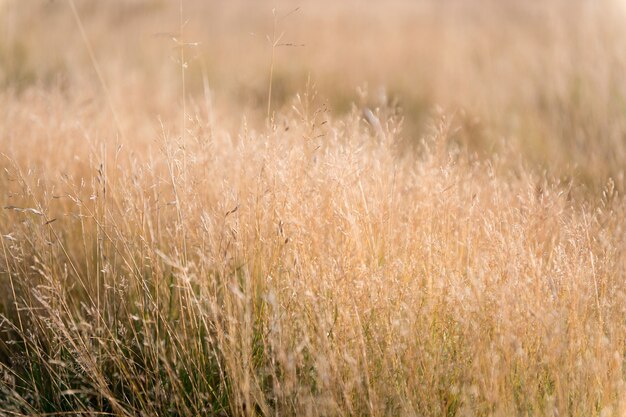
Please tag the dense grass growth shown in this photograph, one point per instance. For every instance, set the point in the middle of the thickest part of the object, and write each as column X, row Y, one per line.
column 167, row 249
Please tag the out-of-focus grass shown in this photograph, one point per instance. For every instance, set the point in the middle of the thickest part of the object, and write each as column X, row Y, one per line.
column 542, row 77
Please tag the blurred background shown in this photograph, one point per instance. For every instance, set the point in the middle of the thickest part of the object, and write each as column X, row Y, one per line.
column 543, row 78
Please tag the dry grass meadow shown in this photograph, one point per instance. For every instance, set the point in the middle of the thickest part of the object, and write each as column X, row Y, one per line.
column 312, row 208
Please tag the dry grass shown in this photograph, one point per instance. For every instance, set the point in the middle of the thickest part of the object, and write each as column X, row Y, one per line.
column 180, row 254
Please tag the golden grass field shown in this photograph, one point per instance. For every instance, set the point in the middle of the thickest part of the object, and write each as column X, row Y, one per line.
column 312, row 208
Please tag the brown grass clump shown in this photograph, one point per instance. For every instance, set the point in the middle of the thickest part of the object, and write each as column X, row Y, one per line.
column 205, row 259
